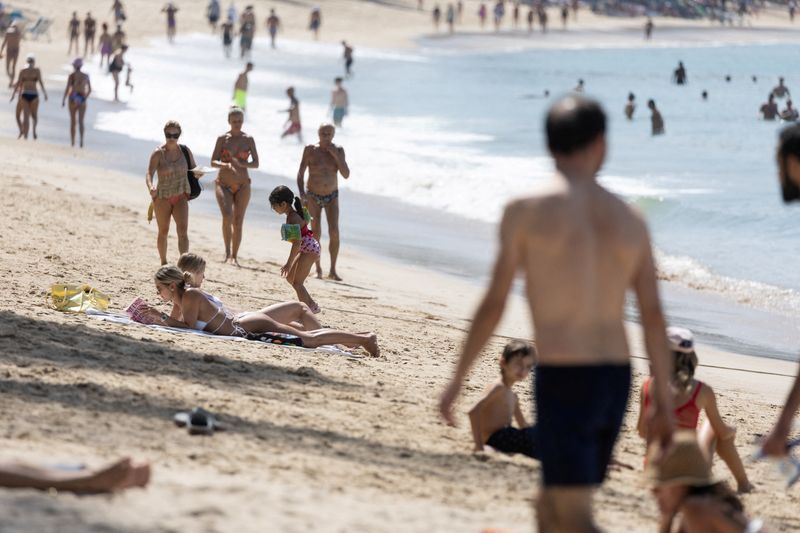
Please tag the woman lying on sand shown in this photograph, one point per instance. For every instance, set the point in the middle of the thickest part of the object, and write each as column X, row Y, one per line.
column 202, row 311
column 692, row 396
column 688, row 498
column 294, row 314
column 123, row 474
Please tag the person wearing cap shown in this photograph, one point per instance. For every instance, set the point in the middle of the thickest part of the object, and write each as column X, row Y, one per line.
column 691, row 396
column 77, row 90
column 11, row 41
column 686, row 492
column 28, row 104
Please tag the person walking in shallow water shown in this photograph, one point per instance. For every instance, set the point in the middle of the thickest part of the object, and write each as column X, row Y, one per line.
column 630, row 107
column 324, row 161
column 656, row 120
column 679, row 77
column 293, row 125
column 580, row 249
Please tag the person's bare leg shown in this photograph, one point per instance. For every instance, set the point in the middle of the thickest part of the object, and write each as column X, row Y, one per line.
column 73, row 112
column 119, row 475
column 240, row 202
column 18, row 115
column 81, row 115
column 297, row 277
column 571, row 509
column 115, row 75
column 163, row 212
column 225, row 202
column 34, row 116
column 180, row 213
column 545, row 521
column 315, row 211
column 26, row 118
column 291, row 312
column 332, row 215
column 13, row 69
column 726, row 449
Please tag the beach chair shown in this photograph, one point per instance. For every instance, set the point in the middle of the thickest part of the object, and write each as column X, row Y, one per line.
column 39, row 28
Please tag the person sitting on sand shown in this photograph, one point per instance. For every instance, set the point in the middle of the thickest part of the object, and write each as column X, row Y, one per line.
column 790, row 113
column 77, row 90
column 293, row 313
column 490, row 418
column 630, row 106
column 656, row 120
column 171, row 192
column 199, row 312
column 689, row 500
column 234, row 154
column 693, row 396
column 769, row 109
column 122, row 474
column 305, row 248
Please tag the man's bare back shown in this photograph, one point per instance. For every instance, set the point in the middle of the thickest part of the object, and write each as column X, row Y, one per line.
column 579, row 248
column 497, row 410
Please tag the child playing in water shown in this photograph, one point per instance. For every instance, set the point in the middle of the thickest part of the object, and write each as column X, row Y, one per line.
column 491, row 416
column 692, row 396
column 305, row 248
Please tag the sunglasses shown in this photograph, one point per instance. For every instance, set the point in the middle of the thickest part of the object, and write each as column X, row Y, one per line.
column 172, row 135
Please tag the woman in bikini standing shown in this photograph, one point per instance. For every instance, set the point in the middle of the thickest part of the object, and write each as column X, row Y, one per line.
column 29, row 96
column 78, row 89
column 171, row 194
column 234, row 153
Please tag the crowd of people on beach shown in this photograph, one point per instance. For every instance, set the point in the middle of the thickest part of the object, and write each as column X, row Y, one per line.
column 580, row 248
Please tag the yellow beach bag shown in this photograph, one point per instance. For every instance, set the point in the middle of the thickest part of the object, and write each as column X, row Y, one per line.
column 77, row 298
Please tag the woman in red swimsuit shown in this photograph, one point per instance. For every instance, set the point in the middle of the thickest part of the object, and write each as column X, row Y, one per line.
column 234, row 153
column 692, row 396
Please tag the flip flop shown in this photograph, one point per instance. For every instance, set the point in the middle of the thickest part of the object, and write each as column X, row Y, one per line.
column 198, row 421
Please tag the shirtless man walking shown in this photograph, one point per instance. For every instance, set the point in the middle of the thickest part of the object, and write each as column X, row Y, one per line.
column 323, row 160
column 580, row 248
column 78, row 90
column 10, row 44
column 29, row 77
column 240, row 87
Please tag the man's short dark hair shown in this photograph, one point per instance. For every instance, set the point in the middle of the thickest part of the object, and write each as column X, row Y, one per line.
column 573, row 123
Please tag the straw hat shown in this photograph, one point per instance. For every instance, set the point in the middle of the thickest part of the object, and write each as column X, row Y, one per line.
column 683, row 464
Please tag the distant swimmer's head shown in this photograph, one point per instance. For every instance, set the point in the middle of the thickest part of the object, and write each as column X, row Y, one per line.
column 728, row 78
column 77, row 62
column 681, row 344
column 337, row 80
column 788, row 155
column 235, row 117
column 290, row 91
column 124, row 48
column 30, row 59
column 249, row 66
column 704, row 94
column 172, row 131
column 651, row 104
column 326, row 131
column 516, row 361
column 780, row 81
column 755, row 79
column 194, row 265
column 576, row 126
column 631, row 97
column 771, row 97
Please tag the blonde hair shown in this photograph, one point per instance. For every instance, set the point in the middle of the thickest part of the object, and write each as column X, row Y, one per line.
column 191, row 263
column 173, row 124
column 168, row 274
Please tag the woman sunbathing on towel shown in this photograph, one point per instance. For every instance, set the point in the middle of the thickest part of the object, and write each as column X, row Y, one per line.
column 294, row 314
column 203, row 312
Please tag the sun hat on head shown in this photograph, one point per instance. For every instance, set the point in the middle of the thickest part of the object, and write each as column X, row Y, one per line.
column 77, row 62
column 680, row 340
column 683, row 464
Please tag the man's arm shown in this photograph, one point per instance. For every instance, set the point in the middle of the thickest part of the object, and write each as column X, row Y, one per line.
column 660, row 425
column 301, row 173
column 775, row 443
column 341, row 162
column 491, row 307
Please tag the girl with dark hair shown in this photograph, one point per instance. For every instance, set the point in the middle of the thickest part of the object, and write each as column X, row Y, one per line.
column 692, row 396
column 305, row 248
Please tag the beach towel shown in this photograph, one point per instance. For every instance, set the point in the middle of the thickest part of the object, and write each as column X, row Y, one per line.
column 265, row 338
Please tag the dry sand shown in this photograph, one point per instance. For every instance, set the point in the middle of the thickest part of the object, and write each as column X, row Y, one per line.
column 317, row 442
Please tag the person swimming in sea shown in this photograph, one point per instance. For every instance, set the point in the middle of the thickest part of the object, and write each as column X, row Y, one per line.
column 234, row 154
column 656, row 120
column 630, row 106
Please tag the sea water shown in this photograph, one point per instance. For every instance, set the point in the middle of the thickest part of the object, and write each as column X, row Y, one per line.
column 445, row 138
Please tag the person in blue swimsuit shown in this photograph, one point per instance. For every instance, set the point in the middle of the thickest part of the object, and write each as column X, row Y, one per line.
column 77, row 90
column 28, row 104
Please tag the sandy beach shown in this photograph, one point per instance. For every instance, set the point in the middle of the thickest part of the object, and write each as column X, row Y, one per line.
column 315, row 441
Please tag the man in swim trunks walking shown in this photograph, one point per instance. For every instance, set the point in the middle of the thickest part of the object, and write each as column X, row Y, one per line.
column 324, row 161
column 10, row 44
column 273, row 24
column 240, row 87
column 580, row 248
column 339, row 102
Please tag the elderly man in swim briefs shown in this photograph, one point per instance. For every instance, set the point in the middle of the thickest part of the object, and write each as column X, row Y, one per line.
column 323, row 160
